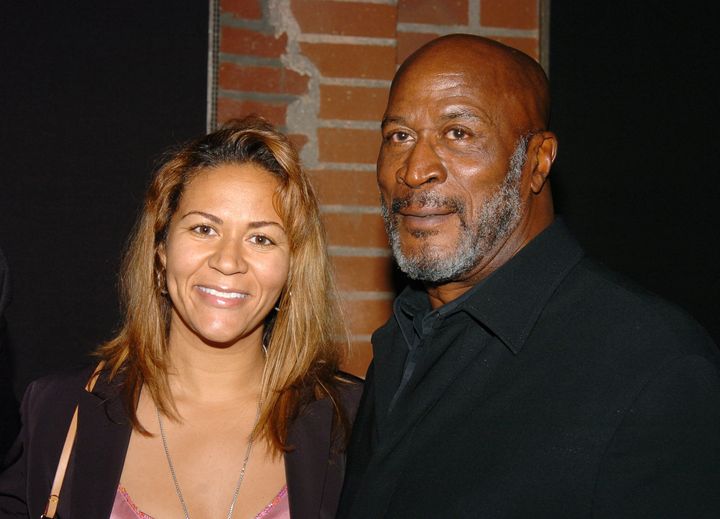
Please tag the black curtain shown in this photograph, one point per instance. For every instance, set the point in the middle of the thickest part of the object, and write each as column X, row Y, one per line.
column 635, row 106
column 91, row 93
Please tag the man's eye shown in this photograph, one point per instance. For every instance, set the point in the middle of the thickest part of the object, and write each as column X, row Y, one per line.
column 457, row 133
column 398, row 136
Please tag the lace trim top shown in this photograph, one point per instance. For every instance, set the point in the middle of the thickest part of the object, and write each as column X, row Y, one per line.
column 124, row 508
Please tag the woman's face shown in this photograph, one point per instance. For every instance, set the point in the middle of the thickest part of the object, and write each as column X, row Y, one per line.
column 226, row 256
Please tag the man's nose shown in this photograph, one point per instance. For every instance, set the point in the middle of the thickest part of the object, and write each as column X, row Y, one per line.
column 229, row 256
column 423, row 165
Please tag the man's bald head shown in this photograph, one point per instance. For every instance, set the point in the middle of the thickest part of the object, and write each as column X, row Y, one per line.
column 518, row 79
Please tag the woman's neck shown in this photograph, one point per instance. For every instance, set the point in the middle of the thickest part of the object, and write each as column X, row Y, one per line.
column 199, row 372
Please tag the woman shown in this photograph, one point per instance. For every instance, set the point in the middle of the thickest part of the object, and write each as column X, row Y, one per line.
column 220, row 396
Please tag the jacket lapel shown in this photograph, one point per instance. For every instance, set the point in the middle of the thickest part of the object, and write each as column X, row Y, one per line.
column 388, row 363
column 306, row 465
column 99, row 453
column 434, row 374
column 378, row 478
column 425, row 390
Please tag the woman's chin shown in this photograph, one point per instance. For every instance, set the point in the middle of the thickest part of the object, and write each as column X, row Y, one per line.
column 228, row 338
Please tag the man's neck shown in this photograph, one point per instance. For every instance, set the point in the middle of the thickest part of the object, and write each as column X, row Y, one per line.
column 523, row 234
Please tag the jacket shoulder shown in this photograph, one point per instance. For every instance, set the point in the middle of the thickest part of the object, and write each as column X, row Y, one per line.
column 620, row 310
column 57, row 389
column 350, row 389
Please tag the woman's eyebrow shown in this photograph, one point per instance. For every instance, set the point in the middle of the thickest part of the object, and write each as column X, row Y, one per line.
column 209, row 216
column 265, row 223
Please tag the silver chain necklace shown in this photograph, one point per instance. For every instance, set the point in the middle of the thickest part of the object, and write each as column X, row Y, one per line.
column 179, row 493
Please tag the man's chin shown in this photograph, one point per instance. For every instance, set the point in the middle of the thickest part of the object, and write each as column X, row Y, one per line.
column 413, row 241
column 423, row 235
column 421, row 263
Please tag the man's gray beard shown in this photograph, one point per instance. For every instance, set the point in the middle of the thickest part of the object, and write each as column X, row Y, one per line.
column 498, row 218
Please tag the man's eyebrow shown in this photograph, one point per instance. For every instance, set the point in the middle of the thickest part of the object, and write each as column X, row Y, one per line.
column 452, row 114
column 464, row 113
column 209, row 216
column 392, row 119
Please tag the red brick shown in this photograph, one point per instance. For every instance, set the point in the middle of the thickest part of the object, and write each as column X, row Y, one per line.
column 529, row 46
column 447, row 12
column 343, row 145
column 298, row 140
column 359, row 359
column 233, row 108
column 346, row 102
column 367, row 274
column 261, row 79
column 354, row 61
column 346, row 19
column 409, row 42
column 513, row 14
column 235, row 40
column 364, row 317
column 248, row 9
column 345, row 187
column 355, row 230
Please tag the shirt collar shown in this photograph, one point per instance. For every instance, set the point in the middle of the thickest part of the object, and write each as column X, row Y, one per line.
column 510, row 300
column 413, row 300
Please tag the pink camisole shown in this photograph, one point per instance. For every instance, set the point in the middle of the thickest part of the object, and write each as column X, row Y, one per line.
column 124, row 508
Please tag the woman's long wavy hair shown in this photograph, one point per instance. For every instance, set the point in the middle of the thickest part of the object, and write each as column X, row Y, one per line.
column 305, row 338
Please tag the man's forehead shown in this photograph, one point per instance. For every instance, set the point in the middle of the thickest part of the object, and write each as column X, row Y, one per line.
column 447, row 94
column 486, row 79
column 459, row 57
column 440, row 77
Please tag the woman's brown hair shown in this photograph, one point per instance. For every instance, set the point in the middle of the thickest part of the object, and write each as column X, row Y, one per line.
column 304, row 337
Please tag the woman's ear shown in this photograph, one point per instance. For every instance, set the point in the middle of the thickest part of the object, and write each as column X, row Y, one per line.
column 543, row 150
column 162, row 254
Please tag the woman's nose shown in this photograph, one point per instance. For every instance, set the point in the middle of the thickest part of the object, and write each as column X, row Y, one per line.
column 228, row 257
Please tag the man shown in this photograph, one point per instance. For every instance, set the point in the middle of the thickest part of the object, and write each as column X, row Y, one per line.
column 518, row 378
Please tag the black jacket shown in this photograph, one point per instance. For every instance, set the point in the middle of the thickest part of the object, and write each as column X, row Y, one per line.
column 314, row 469
column 556, row 391
column 8, row 404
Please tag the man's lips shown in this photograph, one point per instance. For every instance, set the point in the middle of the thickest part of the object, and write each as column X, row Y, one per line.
column 424, row 219
column 425, row 212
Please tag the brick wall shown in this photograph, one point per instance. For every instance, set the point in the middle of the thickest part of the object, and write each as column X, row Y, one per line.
column 320, row 70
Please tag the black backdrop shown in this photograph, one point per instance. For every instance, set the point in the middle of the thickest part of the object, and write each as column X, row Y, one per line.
column 636, row 105
column 90, row 94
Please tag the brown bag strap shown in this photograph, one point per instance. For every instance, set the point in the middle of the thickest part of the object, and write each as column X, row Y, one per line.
column 54, row 499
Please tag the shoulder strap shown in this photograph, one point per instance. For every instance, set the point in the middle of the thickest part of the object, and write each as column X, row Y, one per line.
column 54, row 499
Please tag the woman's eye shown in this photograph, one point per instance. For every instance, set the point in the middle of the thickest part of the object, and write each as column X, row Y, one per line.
column 204, row 230
column 260, row 239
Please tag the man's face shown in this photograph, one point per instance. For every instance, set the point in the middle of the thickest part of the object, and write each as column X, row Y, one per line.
column 449, row 171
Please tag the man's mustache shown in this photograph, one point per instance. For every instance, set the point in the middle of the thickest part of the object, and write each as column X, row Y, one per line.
column 426, row 199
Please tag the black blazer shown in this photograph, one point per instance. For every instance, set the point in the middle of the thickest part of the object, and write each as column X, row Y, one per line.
column 558, row 392
column 314, row 469
column 8, row 404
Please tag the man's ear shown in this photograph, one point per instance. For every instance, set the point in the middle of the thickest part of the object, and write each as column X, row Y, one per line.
column 542, row 150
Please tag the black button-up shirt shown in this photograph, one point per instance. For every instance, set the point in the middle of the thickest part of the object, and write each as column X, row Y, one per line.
column 553, row 389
